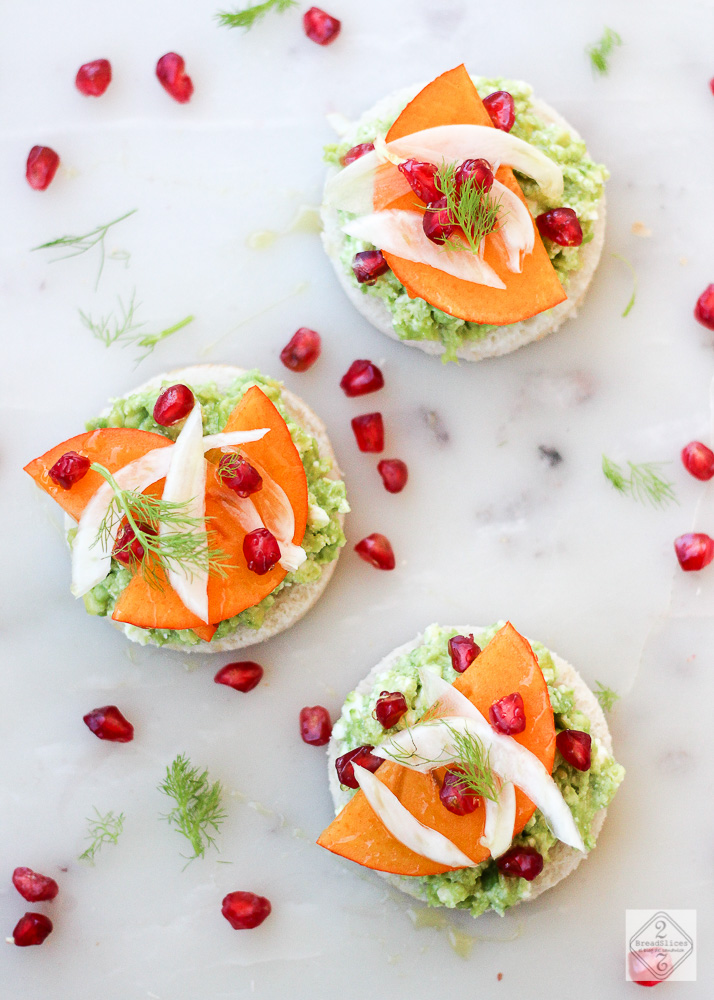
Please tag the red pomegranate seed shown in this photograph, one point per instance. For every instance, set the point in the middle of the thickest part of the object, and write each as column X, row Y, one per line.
column 172, row 405
column 390, row 707
column 642, row 963
column 69, row 469
column 261, row 550
column 31, row 929
column 320, row 27
column 436, row 224
column 711, row 85
column 480, row 170
column 93, row 78
column 422, row 179
column 240, row 676
column 561, row 225
column 239, row 475
column 128, row 550
column 171, row 72
column 501, row 109
column 455, row 794
column 394, row 474
column 315, row 726
column 107, row 723
column 377, row 550
column 704, row 309
column 32, row 886
column 368, row 265
column 575, row 748
column 356, row 152
column 698, row 460
column 42, row 163
column 463, row 651
column 244, row 910
column 521, row 862
column 695, row 550
column 508, row 714
column 369, row 432
column 360, row 378
column 362, row 757
column 302, row 350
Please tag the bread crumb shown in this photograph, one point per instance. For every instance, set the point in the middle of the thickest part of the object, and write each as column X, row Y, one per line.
column 640, row 229
column 683, row 261
column 499, row 977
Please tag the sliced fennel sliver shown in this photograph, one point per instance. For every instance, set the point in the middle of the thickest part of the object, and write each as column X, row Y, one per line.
column 402, row 233
column 91, row 555
column 186, row 484
column 431, row 744
column 515, row 225
column 500, row 820
column 406, row 828
column 352, row 189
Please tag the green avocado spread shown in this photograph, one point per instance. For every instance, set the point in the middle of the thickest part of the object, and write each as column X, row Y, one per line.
column 586, row 792
column 584, row 181
column 327, row 501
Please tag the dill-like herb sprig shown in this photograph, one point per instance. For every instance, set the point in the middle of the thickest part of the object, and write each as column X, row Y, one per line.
column 600, row 51
column 183, row 549
column 630, row 304
column 198, row 808
column 642, row 482
column 469, row 207
column 606, row 696
column 248, row 17
column 123, row 328
column 102, row 830
column 469, row 753
column 77, row 245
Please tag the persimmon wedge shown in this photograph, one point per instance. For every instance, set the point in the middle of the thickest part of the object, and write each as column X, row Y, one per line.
column 239, row 589
column 112, row 447
column 506, row 665
column 452, row 99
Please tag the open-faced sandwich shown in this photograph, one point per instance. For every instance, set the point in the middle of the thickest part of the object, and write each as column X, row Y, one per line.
column 472, row 767
column 465, row 218
column 204, row 509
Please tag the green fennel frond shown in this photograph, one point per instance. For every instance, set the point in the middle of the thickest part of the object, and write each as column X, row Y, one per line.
column 469, row 207
column 122, row 328
column 76, row 245
column 600, row 51
column 102, row 830
column 630, row 265
column 248, row 17
column 182, row 549
column 198, row 809
column 642, row 481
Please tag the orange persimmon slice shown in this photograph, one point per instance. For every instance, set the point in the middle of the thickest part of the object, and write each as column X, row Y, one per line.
column 151, row 607
column 452, row 99
column 112, row 447
column 506, row 665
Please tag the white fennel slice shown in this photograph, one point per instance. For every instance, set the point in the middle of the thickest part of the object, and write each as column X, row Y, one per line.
column 186, row 485
column 406, row 828
column 402, row 233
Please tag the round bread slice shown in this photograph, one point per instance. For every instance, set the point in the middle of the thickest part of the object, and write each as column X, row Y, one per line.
column 292, row 602
column 563, row 859
column 508, row 338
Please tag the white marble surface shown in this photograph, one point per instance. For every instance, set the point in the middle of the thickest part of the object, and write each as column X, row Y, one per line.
column 485, row 529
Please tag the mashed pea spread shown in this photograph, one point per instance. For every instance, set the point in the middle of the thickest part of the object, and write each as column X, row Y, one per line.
column 323, row 537
column 586, row 792
column 415, row 319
